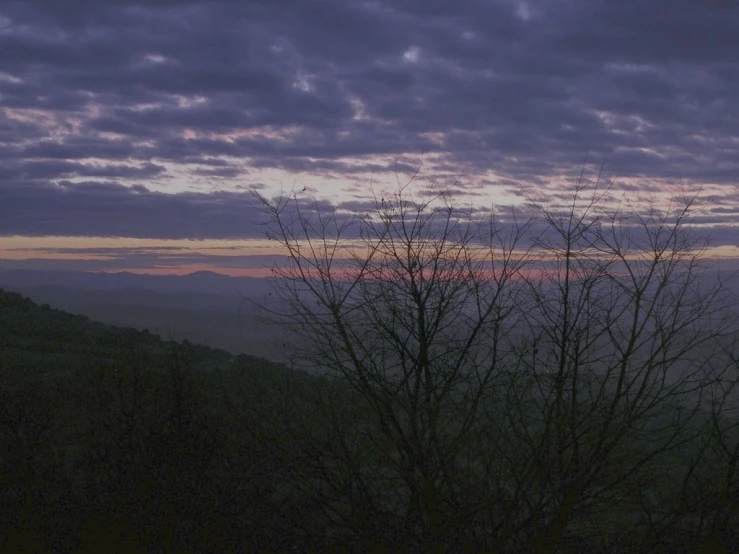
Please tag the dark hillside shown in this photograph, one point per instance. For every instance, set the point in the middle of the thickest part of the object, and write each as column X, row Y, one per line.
column 115, row 440
column 217, row 320
column 40, row 337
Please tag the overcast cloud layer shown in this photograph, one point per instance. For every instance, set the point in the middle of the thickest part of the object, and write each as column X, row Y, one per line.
column 149, row 119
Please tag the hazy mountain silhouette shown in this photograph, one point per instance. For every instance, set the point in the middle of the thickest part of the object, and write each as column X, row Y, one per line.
column 202, row 307
column 200, row 281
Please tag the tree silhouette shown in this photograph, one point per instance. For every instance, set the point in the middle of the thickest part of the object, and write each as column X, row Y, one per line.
column 515, row 383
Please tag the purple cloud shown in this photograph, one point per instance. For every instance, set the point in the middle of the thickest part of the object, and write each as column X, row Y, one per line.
column 98, row 96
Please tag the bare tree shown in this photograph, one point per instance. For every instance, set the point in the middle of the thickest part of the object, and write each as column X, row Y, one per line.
column 512, row 379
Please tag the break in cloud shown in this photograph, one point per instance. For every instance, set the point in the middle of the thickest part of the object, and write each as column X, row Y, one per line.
column 127, row 118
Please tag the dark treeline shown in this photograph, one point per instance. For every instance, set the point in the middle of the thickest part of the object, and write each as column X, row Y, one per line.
column 115, row 441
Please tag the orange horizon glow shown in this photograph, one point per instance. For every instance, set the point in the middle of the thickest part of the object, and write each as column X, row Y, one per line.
column 169, row 257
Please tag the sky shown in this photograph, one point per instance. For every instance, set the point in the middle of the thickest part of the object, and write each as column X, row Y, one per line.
column 131, row 132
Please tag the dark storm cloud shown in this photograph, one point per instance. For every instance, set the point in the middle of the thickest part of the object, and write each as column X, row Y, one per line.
column 80, row 148
column 106, row 209
column 52, row 169
column 527, row 89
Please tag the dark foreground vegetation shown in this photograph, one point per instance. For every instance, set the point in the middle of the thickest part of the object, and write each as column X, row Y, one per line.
column 460, row 410
column 115, row 441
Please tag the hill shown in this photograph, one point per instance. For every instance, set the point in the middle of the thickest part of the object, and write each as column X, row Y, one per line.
column 116, row 440
column 36, row 337
column 220, row 321
column 200, row 281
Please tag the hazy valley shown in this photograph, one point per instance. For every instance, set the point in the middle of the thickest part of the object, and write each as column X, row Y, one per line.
column 206, row 308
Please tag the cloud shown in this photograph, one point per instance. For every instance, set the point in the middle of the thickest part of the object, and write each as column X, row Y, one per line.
column 117, row 259
column 98, row 96
column 52, row 169
column 106, row 209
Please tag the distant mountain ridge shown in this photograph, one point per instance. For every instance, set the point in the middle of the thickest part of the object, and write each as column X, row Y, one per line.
column 201, row 281
column 69, row 298
column 228, row 322
column 39, row 338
